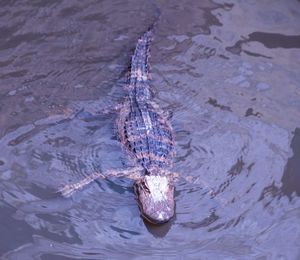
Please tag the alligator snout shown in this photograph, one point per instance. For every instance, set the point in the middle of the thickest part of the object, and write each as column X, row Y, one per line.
column 155, row 195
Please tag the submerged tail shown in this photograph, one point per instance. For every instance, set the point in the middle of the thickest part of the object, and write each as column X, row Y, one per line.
column 140, row 58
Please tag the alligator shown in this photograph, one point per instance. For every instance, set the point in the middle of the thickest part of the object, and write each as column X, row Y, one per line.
column 146, row 134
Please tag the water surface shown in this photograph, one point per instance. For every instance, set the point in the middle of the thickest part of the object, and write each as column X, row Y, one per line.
column 228, row 74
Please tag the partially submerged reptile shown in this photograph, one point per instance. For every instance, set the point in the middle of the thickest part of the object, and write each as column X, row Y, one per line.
column 145, row 132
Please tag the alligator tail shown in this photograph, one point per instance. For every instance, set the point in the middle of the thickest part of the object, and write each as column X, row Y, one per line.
column 140, row 59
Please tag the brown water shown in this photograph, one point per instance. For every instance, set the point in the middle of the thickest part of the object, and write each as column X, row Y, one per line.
column 227, row 71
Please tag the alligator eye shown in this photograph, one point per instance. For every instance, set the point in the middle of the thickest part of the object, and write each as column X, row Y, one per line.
column 136, row 190
column 145, row 187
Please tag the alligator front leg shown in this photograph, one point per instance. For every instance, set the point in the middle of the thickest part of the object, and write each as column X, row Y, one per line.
column 69, row 189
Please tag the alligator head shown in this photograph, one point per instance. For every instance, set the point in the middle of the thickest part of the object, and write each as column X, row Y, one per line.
column 155, row 195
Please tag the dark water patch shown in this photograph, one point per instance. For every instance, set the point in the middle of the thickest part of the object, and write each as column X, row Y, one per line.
column 236, row 48
column 269, row 40
column 1, row 162
column 275, row 40
column 291, row 176
column 237, row 168
column 250, row 112
column 214, row 103
column 210, row 18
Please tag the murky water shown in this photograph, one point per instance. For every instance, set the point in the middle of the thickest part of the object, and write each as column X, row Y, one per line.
column 227, row 71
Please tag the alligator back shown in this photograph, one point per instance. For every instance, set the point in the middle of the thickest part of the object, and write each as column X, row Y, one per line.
column 148, row 136
column 143, row 129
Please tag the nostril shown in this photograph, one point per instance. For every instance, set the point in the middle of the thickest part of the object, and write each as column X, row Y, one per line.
column 162, row 216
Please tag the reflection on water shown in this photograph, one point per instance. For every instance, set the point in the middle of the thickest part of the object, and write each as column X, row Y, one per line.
column 228, row 75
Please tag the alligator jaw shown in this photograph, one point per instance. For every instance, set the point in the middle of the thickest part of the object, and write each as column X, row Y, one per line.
column 155, row 195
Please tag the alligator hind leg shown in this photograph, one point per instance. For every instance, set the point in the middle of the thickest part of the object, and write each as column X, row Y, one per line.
column 69, row 189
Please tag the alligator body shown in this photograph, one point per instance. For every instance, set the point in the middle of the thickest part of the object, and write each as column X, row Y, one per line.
column 145, row 132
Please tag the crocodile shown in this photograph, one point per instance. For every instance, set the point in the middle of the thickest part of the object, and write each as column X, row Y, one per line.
column 146, row 135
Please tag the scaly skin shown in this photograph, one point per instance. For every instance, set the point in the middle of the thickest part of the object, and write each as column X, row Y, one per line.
column 146, row 133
